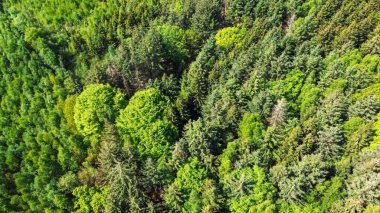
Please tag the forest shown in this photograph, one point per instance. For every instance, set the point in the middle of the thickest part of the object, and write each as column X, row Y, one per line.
column 241, row 106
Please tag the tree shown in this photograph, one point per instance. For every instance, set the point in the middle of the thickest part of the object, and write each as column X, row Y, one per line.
column 194, row 85
column 175, row 42
column 327, row 194
column 363, row 184
column 109, row 151
column 227, row 159
column 197, row 140
column 205, row 18
column 278, row 113
column 122, row 180
column 252, row 129
column 147, row 124
column 291, row 86
column 143, row 57
column 333, row 109
column 249, row 191
column 210, row 197
column 262, row 103
column 167, row 85
column 376, row 128
column 262, row 88
column 239, row 9
column 174, row 198
column 187, row 179
column 95, row 105
column 308, row 100
column 89, row 199
column 68, row 111
column 289, row 150
column 187, row 185
column 229, row 37
column 68, row 182
column 194, row 203
column 366, row 107
column 358, row 134
column 330, row 140
column 296, row 181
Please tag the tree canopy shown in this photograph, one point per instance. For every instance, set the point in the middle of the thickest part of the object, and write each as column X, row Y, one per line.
column 189, row 106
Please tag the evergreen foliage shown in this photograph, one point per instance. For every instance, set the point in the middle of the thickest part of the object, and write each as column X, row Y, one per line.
column 189, row 106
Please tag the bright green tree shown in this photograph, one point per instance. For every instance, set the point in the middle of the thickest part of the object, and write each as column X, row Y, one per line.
column 147, row 123
column 95, row 105
column 250, row 191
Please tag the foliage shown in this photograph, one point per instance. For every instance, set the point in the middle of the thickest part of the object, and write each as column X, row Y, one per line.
column 146, row 123
column 89, row 199
column 175, row 39
column 250, row 191
column 96, row 105
column 189, row 106
column 229, row 37
column 189, row 189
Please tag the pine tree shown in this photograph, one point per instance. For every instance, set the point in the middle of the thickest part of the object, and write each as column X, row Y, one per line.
column 330, row 141
column 366, row 108
column 278, row 113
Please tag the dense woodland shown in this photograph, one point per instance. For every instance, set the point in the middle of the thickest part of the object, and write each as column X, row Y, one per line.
column 190, row 106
